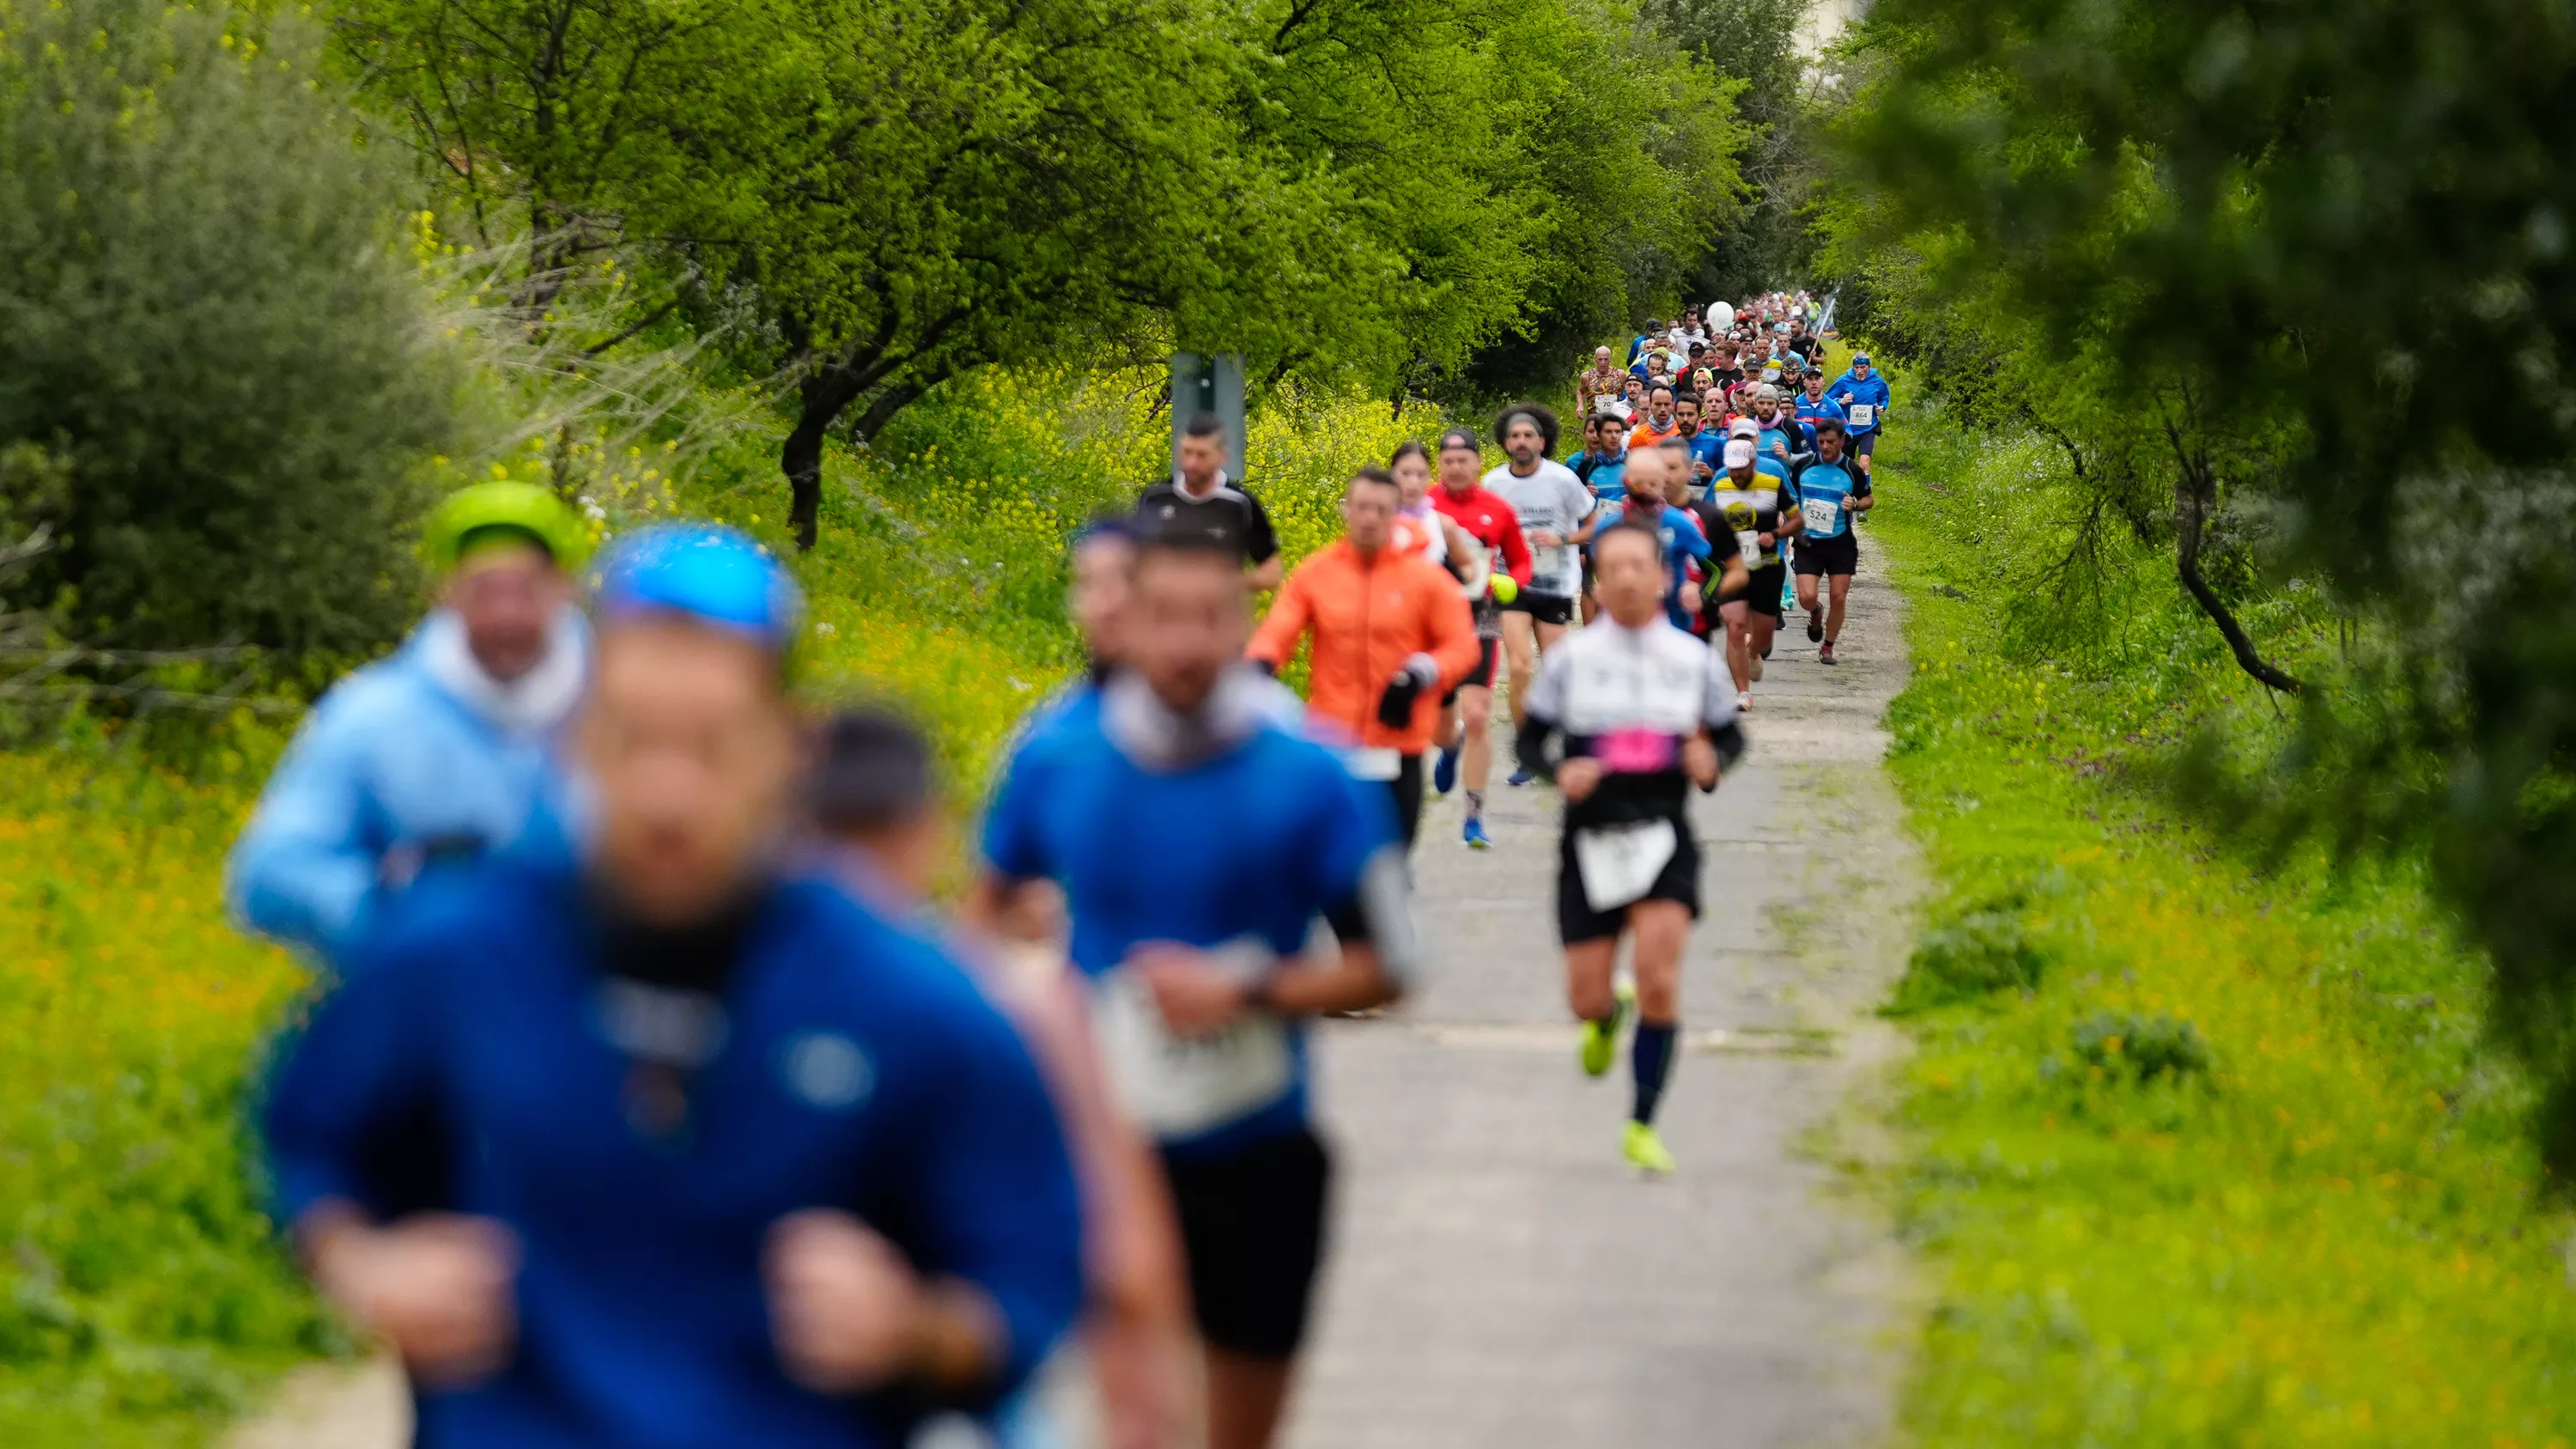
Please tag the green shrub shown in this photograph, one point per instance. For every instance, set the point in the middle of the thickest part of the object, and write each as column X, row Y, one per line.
column 1982, row 952
column 2141, row 1047
column 204, row 315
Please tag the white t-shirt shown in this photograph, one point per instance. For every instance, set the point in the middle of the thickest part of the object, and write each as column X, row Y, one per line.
column 1550, row 500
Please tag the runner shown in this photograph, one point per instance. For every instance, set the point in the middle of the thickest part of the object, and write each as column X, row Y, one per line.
column 1102, row 554
column 1706, row 442
column 1601, row 381
column 876, row 805
column 1390, row 637
column 1812, row 402
column 1659, row 422
column 1195, row 842
column 1420, row 526
column 1829, row 494
column 1661, row 474
column 1200, row 494
column 1783, row 440
column 747, row 1163
column 1602, row 467
column 1534, row 620
column 1467, row 745
column 1752, row 512
column 1555, row 509
column 438, row 753
column 1639, row 712
column 1865, row 398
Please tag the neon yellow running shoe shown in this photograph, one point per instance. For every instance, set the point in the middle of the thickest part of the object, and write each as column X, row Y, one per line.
column 1601, row 1038
column 1645, row 1150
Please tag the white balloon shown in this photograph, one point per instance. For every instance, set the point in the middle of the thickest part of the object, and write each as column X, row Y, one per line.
column 1720, row 315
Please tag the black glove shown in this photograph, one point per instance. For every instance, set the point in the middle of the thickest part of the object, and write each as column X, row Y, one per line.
column 1395, row 705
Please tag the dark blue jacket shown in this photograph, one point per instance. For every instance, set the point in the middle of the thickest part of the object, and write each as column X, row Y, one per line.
column 859, row 1069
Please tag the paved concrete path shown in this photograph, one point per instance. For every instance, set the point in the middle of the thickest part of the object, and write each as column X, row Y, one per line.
column 1500, row 1278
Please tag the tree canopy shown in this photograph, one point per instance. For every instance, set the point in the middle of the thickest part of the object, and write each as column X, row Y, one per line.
column 2308, row 265
column 867, row 198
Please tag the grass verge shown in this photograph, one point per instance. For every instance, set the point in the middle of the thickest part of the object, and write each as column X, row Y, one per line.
column 2198, row 1154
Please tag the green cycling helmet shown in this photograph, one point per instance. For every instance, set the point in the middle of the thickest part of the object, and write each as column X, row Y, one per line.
column 505, row 509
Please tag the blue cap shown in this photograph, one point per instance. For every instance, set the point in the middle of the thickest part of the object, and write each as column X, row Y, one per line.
column 707, row 572
column 1860, row 359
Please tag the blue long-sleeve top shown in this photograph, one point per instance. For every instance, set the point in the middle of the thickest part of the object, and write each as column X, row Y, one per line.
column 396, row 758
column 856, row 1068
column 1870, row 391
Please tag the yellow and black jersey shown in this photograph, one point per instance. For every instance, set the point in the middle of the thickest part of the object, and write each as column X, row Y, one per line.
column 1743, row 514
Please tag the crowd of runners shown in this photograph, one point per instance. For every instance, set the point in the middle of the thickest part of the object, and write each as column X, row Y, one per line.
column 651, row 1099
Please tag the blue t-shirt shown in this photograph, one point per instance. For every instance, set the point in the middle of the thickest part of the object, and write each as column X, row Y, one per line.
column 1809, row 409
column 1256, row 842
column 1683, row 544
column 1832, row 485
column 1608, row 479
column 846, row 1063
column 1707, row 446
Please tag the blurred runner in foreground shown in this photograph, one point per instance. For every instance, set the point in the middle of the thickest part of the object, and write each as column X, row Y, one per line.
column 749, row 1165
column 443, row 750
column 1196, row 839
column 874, row 797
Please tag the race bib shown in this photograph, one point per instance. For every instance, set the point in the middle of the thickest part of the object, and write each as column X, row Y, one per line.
column 1373, row 762
column 1863, row 414
column 1619, row 863
column 1823, row 514
column 1748, row 547
column 1550, row 565
column 1180, row 1086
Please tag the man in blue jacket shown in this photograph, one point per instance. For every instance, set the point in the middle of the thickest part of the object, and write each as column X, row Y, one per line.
column 738, row 1161
column 1864, row 398
column 444, row 749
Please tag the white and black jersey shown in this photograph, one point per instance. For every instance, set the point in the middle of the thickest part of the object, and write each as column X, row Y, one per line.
column 1226, row 513
column 1629, row 698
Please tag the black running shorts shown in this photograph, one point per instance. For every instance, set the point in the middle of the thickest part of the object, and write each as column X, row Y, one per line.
column 1545, row 608
column 1577, row 922
column 1482, row 676
column 1863, row 444
column 1839, row 557
column 1252, row 1227
column 1762, row 592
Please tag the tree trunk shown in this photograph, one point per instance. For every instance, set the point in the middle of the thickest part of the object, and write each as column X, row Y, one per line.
column 2194, row 493
column 821, row 395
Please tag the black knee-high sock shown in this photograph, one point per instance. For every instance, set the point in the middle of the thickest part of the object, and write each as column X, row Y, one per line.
column 1651, row 1055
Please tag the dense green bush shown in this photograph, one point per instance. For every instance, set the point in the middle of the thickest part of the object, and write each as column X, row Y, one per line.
column 205, row 316
column 1984, row 950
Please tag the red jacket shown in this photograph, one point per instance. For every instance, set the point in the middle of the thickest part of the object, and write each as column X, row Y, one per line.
column 1368, row 615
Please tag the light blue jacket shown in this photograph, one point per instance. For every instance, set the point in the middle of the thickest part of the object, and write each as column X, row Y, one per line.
column 416, row 755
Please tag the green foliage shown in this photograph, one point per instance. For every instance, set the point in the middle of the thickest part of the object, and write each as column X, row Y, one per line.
column 1985, row 950
column 143, row 1298
column 2141, row 1047
column 2282, row 247
column 1755, row 42
column 203, row 322
column 2327, row 1233
column 860, row 202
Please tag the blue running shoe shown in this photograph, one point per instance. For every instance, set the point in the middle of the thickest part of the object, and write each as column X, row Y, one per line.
column 1519, row 777
column 1475, row 835
column 1444, row 772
